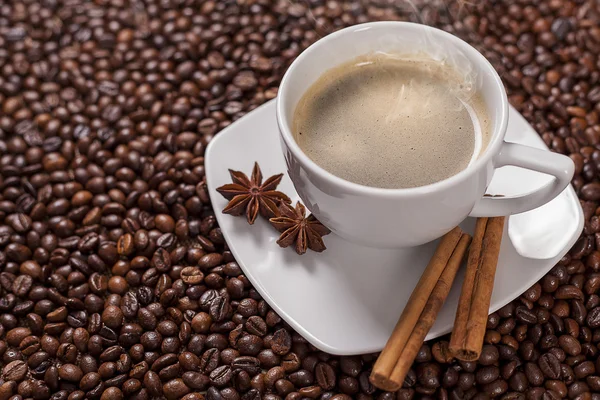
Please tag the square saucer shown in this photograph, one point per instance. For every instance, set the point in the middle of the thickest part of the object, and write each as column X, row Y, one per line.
column 347, row 299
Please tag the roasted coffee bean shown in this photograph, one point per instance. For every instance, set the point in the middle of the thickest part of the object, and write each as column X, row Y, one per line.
column 218, row 341
column 284, row 387
column 282, row 342
column 249, row 364
column 112, row 393
column 70, row 372
column 201, row 322
column 549, row 365
column 487, row 375
column 153, row 384
column 16, row 335
column 209, row 360
column 301, row 378
column 424, row 354
column 256, row 326
column 534, row 374
column 325, row 376
column 249, row 345
column 525, row 316
column 175, row 389
column 428, row 375
column 273, row 375
column 489, row 355
column 348, row 385
column 189, row 361
column 593, row 318
column 170, row 372
column 14, row 371
column 219, row 307
column 269, row 359
column 569, row 344
column 114, row 268
column 112, row 316
column 196, row 380
column 221, row 376
column 192, row 275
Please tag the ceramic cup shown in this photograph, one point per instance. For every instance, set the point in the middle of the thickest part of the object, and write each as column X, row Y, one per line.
column 413, row 216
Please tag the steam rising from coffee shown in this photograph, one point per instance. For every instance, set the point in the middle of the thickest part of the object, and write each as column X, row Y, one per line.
column 461, row 86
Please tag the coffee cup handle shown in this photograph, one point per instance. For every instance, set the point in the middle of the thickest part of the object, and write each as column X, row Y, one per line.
column 557, row 165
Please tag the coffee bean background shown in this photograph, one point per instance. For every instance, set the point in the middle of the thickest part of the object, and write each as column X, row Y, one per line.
column 115, row 279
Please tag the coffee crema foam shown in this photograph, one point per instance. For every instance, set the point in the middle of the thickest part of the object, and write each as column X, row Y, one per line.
column 388, row 121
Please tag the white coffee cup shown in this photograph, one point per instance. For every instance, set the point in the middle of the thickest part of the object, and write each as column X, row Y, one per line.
column 409, row 217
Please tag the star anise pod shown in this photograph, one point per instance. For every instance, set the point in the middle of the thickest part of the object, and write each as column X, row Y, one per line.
column 305, row 232
column 251, row 196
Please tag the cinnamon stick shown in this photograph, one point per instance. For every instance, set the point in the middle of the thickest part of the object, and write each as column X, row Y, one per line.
column 464, row 301
column 420, row 312
column 470, row 323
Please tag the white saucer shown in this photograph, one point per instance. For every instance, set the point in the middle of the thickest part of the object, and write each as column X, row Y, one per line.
column 347, row 299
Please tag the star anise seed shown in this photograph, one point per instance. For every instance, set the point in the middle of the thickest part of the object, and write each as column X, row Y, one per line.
column 251, row 196
column 305, row 232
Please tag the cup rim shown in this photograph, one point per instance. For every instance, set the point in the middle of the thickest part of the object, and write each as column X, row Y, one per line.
column 352, row 187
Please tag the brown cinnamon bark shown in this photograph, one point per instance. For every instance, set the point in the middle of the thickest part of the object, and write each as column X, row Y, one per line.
column 463, row 311
column 420, row 312
column 466, row 341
